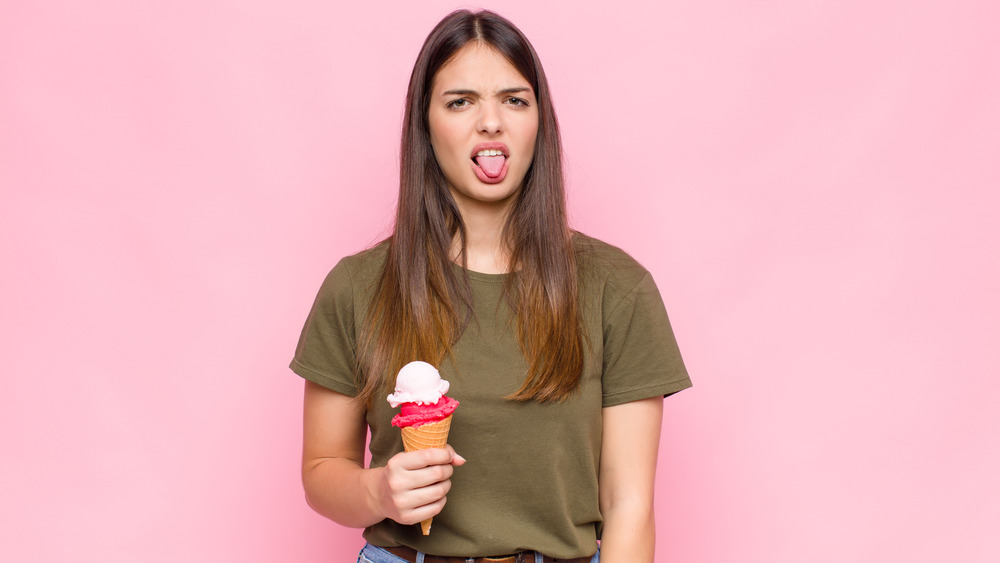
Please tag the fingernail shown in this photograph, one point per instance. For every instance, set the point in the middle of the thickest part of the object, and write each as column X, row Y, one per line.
column 459, row 457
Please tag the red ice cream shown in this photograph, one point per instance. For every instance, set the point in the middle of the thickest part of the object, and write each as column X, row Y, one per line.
column 415, row 414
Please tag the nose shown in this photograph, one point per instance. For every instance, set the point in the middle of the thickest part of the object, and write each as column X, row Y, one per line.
column 490, row 120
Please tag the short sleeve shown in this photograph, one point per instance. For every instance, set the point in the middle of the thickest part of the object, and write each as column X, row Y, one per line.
column 325, row 352
column 641, row 357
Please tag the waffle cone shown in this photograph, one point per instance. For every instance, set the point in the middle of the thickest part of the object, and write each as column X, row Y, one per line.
column 431, row 435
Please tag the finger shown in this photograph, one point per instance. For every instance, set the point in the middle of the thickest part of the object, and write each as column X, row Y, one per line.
column 418, row 499
column 422, row 513
column 430, row 475
column 400, row 480
column 423, row 458
column 429, row 494
column 456, row 459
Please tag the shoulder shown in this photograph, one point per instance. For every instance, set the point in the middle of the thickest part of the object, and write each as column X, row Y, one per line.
column 355, row 275
column 607, row 266
column 368, row 262
column 362, row 266
column 326, row 349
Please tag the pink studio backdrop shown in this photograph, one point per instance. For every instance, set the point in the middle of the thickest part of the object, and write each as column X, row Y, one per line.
column 814, row 185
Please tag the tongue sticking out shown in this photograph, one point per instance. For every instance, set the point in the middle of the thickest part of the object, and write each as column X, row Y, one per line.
column 491, row 165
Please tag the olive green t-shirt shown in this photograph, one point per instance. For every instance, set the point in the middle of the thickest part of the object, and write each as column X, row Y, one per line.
column 531, row 480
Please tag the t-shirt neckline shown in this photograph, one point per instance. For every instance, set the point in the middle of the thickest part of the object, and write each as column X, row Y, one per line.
column 481, row 276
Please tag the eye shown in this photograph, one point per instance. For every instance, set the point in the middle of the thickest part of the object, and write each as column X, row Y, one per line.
column 517, row 102
column 457, row 104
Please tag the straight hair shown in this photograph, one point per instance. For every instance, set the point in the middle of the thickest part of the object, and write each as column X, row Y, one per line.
column 422, row 303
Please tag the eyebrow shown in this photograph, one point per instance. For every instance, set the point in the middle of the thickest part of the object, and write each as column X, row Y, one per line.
column 466, row 92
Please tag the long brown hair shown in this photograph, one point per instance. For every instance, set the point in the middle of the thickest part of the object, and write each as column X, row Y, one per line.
column 421, row 305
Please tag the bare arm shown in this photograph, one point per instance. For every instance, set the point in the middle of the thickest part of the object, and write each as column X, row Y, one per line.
column 410, row 488
column 628, row 467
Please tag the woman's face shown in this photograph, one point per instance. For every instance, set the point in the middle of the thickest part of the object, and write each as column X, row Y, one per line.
column 483, row 121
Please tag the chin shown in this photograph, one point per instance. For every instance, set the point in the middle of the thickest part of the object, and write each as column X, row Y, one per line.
column 486, row 193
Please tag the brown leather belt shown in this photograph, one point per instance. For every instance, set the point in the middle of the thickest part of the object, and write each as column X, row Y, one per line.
column 522, row 557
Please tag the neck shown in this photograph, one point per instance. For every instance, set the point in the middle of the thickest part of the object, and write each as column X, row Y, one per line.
column 484, row 246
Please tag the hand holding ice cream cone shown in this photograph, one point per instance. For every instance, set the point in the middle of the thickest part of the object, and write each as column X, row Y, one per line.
column 425, row 412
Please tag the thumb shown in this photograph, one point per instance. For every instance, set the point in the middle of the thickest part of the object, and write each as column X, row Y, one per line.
column 456, row 458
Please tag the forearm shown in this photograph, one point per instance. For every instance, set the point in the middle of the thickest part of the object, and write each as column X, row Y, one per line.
column 629, row 534
column 343, row 491
column 628, row 469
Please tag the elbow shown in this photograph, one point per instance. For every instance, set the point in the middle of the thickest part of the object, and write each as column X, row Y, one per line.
column 313, row 487
column 308, row 489
column 629, row 530
column 636, row 508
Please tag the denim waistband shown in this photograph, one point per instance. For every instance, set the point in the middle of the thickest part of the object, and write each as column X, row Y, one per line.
column 374, row 554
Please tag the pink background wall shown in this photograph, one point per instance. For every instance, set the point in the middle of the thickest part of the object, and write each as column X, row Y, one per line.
column 815, row 186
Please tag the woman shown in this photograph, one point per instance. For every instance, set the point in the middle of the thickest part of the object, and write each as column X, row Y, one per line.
column 557, row 345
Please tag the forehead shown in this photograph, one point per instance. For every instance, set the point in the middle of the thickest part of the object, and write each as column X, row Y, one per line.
column 477, row 67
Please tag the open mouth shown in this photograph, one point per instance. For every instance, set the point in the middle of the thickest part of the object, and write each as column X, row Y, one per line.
column 489, row 162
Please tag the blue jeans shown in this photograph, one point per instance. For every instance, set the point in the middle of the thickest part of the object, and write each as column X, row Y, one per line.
column 374, row 554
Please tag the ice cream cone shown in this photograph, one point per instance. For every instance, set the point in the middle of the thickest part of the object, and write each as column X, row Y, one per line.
column 424, row 410
column 431, row 435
